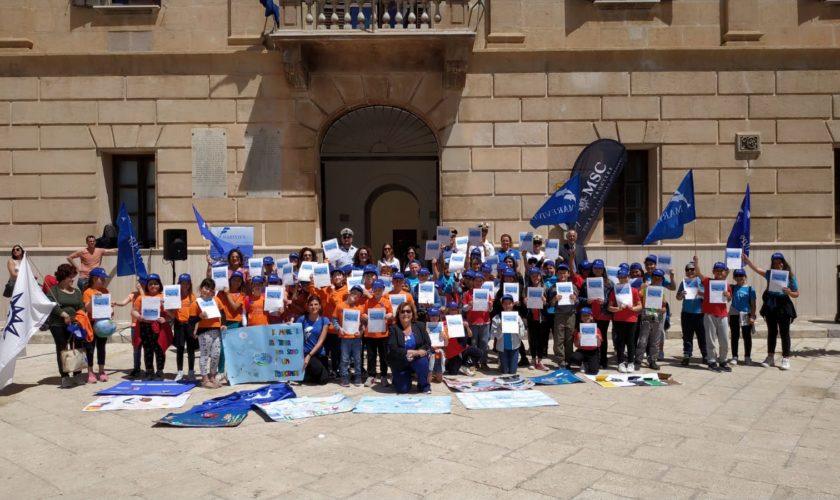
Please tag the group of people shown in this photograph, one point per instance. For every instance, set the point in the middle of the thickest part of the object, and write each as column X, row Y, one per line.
column 420, row 319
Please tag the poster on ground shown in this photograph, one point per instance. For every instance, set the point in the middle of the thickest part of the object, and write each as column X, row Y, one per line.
column 270, row 353
column 504, row 399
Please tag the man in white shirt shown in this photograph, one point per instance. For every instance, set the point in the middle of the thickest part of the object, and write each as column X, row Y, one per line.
column 345, row 246
column 488, row 248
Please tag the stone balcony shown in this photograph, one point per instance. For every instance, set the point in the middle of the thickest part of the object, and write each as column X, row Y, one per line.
column 433, row 33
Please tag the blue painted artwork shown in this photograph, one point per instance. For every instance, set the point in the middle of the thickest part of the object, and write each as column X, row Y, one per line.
column 557, row 377
column 270, row 353
column 404, row 404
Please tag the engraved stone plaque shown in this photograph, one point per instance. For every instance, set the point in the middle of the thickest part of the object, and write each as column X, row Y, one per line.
column 261, row 178
column 209, row 162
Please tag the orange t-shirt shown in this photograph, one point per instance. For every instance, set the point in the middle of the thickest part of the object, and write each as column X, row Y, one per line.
column 138, row 305
column 338, row 314
column 87, row 297
column 334, row 298
column 195, row 310
column 255, row 310
column 232, row 314
column 183, row 314
column 383, row 303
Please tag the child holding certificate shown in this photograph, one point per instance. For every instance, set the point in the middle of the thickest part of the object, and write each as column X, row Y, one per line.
column 151, row 325
column 477, row 316
column 347, row 320
column 565, row 307
column 96, row 291
column 741, row 315
column 377, row 314
column 207, row 316
column 255, row 303
column 184, row 341
column 625, row 305
column 508, row 330
column 436, row 328
column 716, row 293
column 600, row 313
column 650, row 320
column 691, row 317
column 538, row 320
column 588, row 340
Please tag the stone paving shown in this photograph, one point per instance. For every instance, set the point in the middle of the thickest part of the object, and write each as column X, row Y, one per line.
column 753, row 433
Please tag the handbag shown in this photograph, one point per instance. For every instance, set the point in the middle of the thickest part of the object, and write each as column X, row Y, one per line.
column 8, row 289
column 73, row 359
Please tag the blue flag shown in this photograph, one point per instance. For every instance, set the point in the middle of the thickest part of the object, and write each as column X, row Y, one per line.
column 271, row 9
column 678, row 213
column 739, row 237
column 562, row 207
column 129, row 258
column 219, row 246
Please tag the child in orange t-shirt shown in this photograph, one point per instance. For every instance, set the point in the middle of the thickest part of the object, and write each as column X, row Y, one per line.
column 233, row 302
column 152, row 350
column 184, row 341
column 255, row 303
column 351, row 341
column 208, row 331
column 377, row 341
column 96, row 286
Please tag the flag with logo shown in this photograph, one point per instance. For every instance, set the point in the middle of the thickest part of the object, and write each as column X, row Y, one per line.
column 28, row 309
column 599, row 165
column 561, row 207
column 739, row 237
column 678, row 213
column 219, row 246
column 129, row 258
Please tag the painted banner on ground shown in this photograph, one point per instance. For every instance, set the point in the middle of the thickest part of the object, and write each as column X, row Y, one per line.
column 142, row 388
column 505, row 382
column 227, row 411
column 404, row 404
column 112, row 403
column 298, row 408
column 557, row 377
column 628, row 380
column 509, row 399
column 270, row 353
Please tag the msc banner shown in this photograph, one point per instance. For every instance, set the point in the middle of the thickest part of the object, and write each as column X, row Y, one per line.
column 598, row 166
column 270, row 353
column 241, row 237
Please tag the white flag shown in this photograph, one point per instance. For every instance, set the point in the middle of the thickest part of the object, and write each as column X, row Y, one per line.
column 28, row 309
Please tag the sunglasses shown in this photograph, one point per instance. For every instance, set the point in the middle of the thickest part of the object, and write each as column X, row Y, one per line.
column 406, row 311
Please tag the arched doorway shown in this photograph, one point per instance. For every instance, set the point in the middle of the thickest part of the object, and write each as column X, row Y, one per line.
column 379, row 176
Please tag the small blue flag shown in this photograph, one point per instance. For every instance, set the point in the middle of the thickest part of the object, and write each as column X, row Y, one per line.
column 678, row 213
column 271, row 9
column 562, row 207
column 739, row 237
column 129, row 258
column 220, row 247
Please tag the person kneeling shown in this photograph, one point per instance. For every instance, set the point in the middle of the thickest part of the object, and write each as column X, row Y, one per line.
column 408, row 351
column 587, row 345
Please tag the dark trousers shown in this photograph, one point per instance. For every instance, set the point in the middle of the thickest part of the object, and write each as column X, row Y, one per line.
column 99, row 344
column 60, row 337
column 692, row 325
column 588, row 359
column 625, row 336
column 538, row 338
column 184, row 341
column 778, row 325
column 151, row 349
column 604, row 350
column 418, row 366
column 333, row 346
column 736, row 330
column 471, row 356
column 316, row 371
column 376, row 347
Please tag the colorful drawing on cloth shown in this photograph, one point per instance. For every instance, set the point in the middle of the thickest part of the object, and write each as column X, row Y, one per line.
column 404, row 404
column 270, row 353
column 505, row 382
column 112, row 403
column 227, row 411
column 628, row 380
column 140, row 388
column 505, row 399
column 298, row 408
column 557, row 377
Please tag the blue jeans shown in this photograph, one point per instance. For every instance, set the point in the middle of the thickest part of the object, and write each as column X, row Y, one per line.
column 481, row 338
column 418, row 366
column 351, row 347
column 509, row 360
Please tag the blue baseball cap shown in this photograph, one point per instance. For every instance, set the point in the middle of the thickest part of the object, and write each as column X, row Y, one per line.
column 486, row 268
column 636, row 265
column 562, row 267
column 348, row 269
column 398, row 276
column 475, row 251
column 584, row 265
column 622, row 273
column 549, row 263
column 433, row 311
column 258, row 280
column 377, row 284
column 739, row 273
column 777, row 256
column 507, row 296
column 534, row 270
column 423, row 270
column 357, row 288
column 452, row 305
column 651, row 258
column 659, row 273
column 334, row 270
column 98, row 272
column 585, row 310
column 184, row 277
column 624, row 265
column 237, row 274
column 469, row 274
column 268, row 261
column 509, row 273
column 294, row 255
column 720, row 266
column 273, row 278
column 370, row 268
column 598, row 264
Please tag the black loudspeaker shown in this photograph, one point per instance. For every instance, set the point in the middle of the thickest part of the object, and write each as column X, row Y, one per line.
column 174, row 244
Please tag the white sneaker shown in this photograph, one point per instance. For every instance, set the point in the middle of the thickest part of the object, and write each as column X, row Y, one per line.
column 370, row 381
column 465, row 370
column 768, row 362
column 748, row 361
column 622, row 368
column 785, row 364
column 733, row 361
column 179, row 375
column 631, row 367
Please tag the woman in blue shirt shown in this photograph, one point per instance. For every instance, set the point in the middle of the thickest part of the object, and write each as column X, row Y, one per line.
column 778, row 309
column 314, row 334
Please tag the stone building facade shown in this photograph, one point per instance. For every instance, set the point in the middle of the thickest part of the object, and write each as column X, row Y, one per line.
column 509, row 90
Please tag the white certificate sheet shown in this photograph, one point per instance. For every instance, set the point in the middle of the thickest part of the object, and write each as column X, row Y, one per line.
column 653, row 297
column 331, row 250
column 716, row 290
column 150, row 308
column 353, row 281
column 624, row 294
column 435, row 333
column 172, row 297
column 733, row 258
column 511, row 289
column 595, row 289
column 220, row 277
column 209, row 308
column 612, row 274
column 489, row 286
column 456, row 262
column 526, row 241
column 254, row 267
column 510, row 323
column 690, row 289
column 493, row 260
column 101, row 305
column 443, row 234
column 461, row 243
column 474, row 236
column 426, row 293
column 396, row 299
column 588, row 335
column 357, row 273
column 455, row 326
column 306, row 270
column 350, row 320
column 481, row 300
column 664, row 262
column 535, row 297
column 552, row 249
column 565, row 290
column 778, row 280
column 273, row 298
column 432, row 250
column 322, row 275
column 288, row 275
column 388, row 280
column 376, row 320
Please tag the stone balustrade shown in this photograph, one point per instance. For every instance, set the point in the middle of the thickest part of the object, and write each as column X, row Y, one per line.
column 381, row 15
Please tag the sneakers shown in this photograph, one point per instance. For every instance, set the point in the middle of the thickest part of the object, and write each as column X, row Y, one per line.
column 67, row 382
column 653, row 365
column 148, row 375
column 768, row 362
column 428, row 391
column 383, row 381
column 685, row 361
column 357, row 381
column 135, row 373
column 344, row 383
column 465, row 370
column 622, row 368
column 725, row 367
column 91, row 379
column 80, row 379
column 733, row 361
column 747, row 361
column 179, row 376
column 369, row 381
column 631, row 367
column 660, row 356
column 785, row 364
column 714, row 366
column 103, row 377
column 159, row 375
